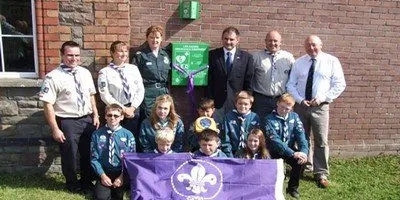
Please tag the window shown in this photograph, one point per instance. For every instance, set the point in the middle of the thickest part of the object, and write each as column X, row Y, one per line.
column 18, row 55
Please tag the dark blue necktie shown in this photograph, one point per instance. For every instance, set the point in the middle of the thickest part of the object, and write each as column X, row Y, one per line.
column 228, row 62
column 310, row 80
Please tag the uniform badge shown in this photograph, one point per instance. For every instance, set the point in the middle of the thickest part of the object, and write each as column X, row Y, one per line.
column 138, row 52
column 123, row 139
column 44, row 88
column 166, row 60
column 102, row 142
column 149, row 63
column 103, row 138
column 102, row 86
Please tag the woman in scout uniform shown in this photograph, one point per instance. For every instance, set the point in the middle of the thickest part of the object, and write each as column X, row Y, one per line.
column 154, row 66
column 121, row 83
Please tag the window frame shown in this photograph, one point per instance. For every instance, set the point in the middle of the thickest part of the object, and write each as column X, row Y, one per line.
column 35, row 51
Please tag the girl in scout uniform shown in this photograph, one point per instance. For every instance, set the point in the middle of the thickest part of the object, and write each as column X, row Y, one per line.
column 163, row 115
column 255, row 146
column 121, row 83
column 154, row 66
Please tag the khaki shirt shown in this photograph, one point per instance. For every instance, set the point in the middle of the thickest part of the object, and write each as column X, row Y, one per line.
column 59, row 90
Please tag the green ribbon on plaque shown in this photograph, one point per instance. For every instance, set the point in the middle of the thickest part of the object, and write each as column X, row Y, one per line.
column 190, row 57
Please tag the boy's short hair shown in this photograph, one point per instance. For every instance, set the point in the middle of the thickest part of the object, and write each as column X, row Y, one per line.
column 204, row 123
column 114, row 107
column 206, row 103
column 209, row 135
column 244, row 95
column 287, row 98
column 165, row 134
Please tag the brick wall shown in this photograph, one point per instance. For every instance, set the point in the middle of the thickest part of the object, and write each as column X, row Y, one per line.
column 364, row 35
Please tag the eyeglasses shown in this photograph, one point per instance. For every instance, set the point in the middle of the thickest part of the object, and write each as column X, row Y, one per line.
column 111, row 115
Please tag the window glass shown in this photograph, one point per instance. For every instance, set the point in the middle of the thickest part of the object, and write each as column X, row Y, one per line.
column 16, row 36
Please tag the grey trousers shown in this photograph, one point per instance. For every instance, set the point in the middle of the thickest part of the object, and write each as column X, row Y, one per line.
column 316, row 123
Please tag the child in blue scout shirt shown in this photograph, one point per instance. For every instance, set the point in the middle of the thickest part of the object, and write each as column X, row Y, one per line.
column 238, row 123
column 209, row 141
column 205, row 109
column 163, row 115
column 107, row 147
column 164, row 139
column 255, row 146
column 286, row 139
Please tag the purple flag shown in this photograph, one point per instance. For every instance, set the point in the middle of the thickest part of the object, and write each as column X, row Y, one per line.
column 180, row 176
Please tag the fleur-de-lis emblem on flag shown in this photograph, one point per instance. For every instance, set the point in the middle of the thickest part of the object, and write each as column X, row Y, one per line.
column 197, row 179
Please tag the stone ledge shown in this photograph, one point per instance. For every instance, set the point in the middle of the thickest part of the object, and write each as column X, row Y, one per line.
column 20, row 83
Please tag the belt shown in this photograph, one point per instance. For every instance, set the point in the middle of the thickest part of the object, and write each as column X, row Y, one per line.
column 155, row 85
column 270, row 97
column 84, row 116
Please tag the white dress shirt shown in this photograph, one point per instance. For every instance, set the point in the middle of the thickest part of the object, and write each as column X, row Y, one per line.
column 233, row 51
column 328, row 79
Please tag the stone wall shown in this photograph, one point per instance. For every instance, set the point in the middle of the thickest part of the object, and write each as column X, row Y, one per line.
column 24, row 136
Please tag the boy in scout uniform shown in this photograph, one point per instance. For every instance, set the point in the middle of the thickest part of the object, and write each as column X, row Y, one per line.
column 70, row 110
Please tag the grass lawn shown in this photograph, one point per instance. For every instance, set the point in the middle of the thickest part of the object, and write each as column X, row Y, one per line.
column 373, row 178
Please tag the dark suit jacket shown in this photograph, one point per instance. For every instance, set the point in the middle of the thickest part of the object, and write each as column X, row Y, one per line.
column 223, row 86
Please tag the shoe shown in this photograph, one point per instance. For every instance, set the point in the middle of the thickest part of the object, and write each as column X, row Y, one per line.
column 74, row 189
column 323, row 183
column 293, row 192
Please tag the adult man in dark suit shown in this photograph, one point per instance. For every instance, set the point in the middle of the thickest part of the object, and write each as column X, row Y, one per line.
column 231, row 70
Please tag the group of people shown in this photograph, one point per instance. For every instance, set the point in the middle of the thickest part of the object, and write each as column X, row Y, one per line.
column 247, row 111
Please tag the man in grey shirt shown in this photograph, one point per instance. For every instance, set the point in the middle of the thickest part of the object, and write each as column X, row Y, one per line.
column 272, row 68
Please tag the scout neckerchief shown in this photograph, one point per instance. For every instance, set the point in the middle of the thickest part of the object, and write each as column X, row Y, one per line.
column 274, row 71
column 285, row 126
column 111, row 146
column 242, row 119
column 78, row 88
column 123, row 80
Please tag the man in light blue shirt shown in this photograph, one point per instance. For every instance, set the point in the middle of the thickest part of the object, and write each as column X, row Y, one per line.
column 315, row 81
